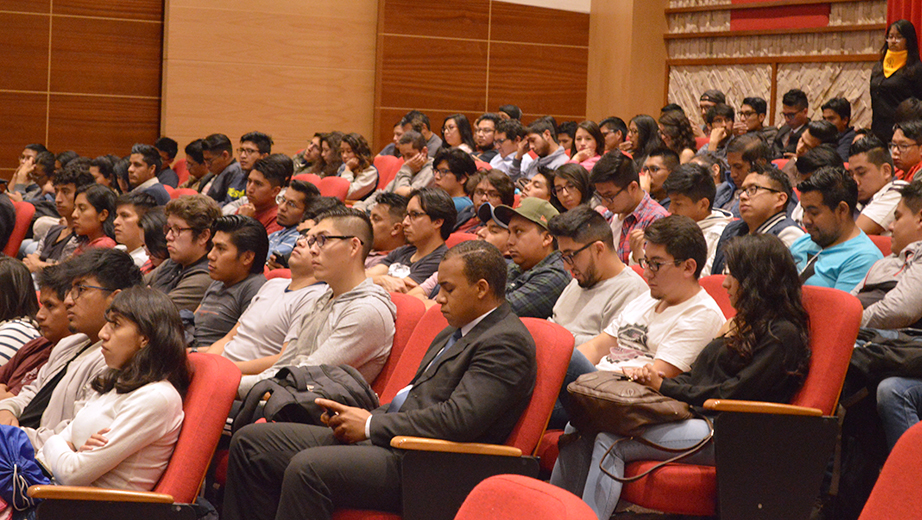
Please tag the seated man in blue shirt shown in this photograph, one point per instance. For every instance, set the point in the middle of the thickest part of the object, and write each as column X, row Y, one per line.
column 836, row 253
column 293, row 202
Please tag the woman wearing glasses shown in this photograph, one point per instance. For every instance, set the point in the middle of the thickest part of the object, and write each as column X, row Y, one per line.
column 456, row 133
column 895, row 78
column 762, row 354
column 572, row 187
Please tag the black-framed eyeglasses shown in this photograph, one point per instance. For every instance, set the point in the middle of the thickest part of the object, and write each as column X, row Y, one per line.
column 611, row 198
column 568, row 258
column 901, row 147
column 77, row 290
column 440, row 172
column 321, row 240
column 752, row 190
column 176, row 230
column 655, row 265
column 416, row 214
column 568, row 187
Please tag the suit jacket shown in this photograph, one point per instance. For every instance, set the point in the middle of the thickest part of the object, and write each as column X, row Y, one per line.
column 475, row 392
column 778, row 147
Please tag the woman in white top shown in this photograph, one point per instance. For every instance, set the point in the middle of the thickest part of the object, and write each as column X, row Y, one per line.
column 123, row 437
column 456, row 132
column 359, row 168
column 18, row 306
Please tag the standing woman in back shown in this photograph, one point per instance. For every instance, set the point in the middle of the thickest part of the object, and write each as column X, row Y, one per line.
column 895, row 78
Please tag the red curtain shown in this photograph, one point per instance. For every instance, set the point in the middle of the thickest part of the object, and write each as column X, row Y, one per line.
column 784, row 17
column 906, row 10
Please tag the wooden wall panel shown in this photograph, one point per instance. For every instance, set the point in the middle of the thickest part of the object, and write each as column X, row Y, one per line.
column 456, row 19
column 23, row 117
column 25, row 6
column 524, row 23
column 124, row 9
column 541, row 79
column 95, row 125
column 24, row 40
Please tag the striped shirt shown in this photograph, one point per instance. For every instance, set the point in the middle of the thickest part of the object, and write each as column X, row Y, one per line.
column 14, row 334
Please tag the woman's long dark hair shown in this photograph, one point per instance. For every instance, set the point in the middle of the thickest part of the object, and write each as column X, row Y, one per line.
column 322, row 167
column 592, row 129
column 908, row 30
column 579, row 177
column 360, row 148
column 769, row 291
column 464, row 129
column 17, row 293
column 101, row 198
column 647, row 137
column 164, row 357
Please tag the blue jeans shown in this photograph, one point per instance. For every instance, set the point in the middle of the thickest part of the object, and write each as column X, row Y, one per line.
column 578, row 366
column 577, row 469
column 899, row 403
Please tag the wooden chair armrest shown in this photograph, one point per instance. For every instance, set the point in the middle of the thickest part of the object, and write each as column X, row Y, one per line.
column 349, row 202
column 424, row 444
column 98, row 494
column 731, row 405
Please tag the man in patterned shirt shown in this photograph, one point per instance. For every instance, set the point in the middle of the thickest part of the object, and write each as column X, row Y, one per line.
column 618, row 184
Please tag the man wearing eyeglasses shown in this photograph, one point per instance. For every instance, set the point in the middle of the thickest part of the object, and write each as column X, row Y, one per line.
column 484, row 134
column 352, row 323
column 751, row 119
column 254, row 146
column 506, row 138
column 764, row 196
column 794, row 108
column 906, row 148
column 46, row 406
column 672, row 322
column 292, row 205
column 184, row 276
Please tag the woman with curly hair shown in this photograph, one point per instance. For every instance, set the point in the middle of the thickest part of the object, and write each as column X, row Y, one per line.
column 359, row 168
column 330, row 161
column 676, row 132
column 762, row 354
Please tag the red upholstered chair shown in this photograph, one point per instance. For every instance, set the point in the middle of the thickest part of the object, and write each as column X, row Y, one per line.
column 514, row 497
column 898, row 491
column 410, row 311
column 701, row 141
column 481, row 165
column 169, row 189
column 182, row 170
column 181, row 192
column 458, row 467
column 639, row 270
column 278, row 273
column 516, row 200
column 206, row 405
column 334, row 187
column 772, row 459
column 713, row 284
column 456, row 238
column 24, row 213
column 308, row 177
column 780, row 163
column 387, row 166
column 882, row 243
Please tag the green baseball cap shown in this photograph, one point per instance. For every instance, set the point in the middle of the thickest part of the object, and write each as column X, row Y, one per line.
column 534, row 209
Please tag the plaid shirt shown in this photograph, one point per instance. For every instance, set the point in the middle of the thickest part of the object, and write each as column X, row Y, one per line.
column 533, row 293
column 646, row 213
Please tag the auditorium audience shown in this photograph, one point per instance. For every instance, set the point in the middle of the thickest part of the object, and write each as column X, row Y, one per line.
column 870, row 165
column 572, row 187
column 168, row 149
column 265, row 182
column 540, row 138
column 152, row 224
column 838, row 111
column 719, row 119
column 359, row 165
column 304, row 160
column 743, row 154
column 906, row 148
column 642, row 138
column 815, row 134
column 94, row 213
column 566, row 134
column 493, row 229
column 457, row 133
column 199, row 174
column 18, row 307
column 331, row 161
column 614, row 131
column 708, row 100
column 507, row 139
column 415, row 172
column 794, row 108
column 895, row 78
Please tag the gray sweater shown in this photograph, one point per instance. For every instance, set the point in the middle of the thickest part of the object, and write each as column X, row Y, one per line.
column 892, row 307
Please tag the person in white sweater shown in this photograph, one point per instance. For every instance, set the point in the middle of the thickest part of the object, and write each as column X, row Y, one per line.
column 124, row 435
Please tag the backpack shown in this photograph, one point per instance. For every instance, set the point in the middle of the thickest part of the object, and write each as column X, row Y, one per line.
column 293, row 390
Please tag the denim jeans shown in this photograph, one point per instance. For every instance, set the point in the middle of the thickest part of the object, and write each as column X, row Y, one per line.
column 899, row 403
column 578, row 366
column 577, row 469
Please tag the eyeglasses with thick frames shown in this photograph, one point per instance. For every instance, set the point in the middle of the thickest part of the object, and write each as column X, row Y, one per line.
column 321, row 240
column 568, row 187
column 611, row 198
column 175, row 230
column 77, row 290
column 282, row 201
column 902, row 147
column 569, row 257
column 247, row 151
column 752, row 190
column 655, row 265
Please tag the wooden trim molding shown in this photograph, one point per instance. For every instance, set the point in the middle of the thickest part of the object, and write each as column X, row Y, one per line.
column 764, row 60
column 752, row 5
column 769, row 32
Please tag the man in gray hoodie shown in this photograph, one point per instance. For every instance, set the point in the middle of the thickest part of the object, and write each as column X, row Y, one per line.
column 353, row 322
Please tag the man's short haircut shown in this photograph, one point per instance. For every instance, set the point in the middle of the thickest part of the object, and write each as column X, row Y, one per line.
column 616, row 168
column 753, row 148
column 714, row 96
column 489, row 116
column 840, row 106
column 756, row 103
column 309, row 190
column 152, row 224
column 141, row 201
column 819, row 157
column 216, row 144
column 350, row 221
column 670, row 158
column 35, row 147
column 908, row 110
column 66, row 157
column 824, row 131
column 46, row 161
column 150, row 155
column 396, row 204
column 417, row 120
column 76, row 173
column 194, row 150
column 835, row 184
column 615, row 124
column 247, row 234
column 877, row 152
column 584, row 225
column 567, row 128
column 512, row 111
column 481, row 260
column 168, row 146
column 53, row 277
column 692, row 180
column 540, row 126
column 277, row 168
column 720, row 109
column 413, row 138
column 113, row 268
column 198, row 211
column 779, row 180
column 262, row 141
column 681, row 237
column 672, row 107
column 459, row 162
column 512, row 128
column 437, row 204
column 911, row 129
column 320, row 205
column 501, row 182
column 795, row 98
column 709, row 159
column 912, row 195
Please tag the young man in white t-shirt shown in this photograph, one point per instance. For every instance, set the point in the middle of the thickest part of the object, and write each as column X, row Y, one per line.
column 669, row 325
column 871, row 165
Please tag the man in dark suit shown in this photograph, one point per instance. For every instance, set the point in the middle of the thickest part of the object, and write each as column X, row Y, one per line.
column 472, row 385
column 794, row 108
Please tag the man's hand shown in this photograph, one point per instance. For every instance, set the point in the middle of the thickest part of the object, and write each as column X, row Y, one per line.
column 97, row 440
column 272, row 264
column 34, row 264
column 14, row 195
column 646, row 182
column 718, row 134
column 740, row 128
column 247, row 210
column 625, row 146
column 7, row 418
column 416, row 163
column 391, row 283
column 522, row 149
column 353, row 164
column 347, row 422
